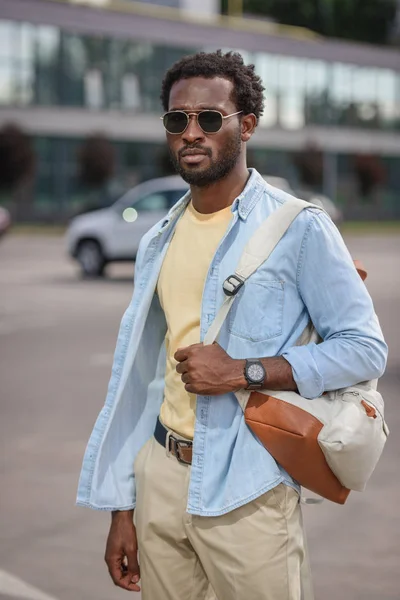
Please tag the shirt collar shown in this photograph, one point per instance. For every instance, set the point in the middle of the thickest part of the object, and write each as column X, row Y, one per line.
column 244, row 203
column 250, row 195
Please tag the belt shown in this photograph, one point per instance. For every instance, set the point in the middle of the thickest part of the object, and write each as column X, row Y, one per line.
column 181, row 449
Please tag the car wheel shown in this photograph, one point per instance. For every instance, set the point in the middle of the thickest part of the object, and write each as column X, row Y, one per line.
column 91, row 259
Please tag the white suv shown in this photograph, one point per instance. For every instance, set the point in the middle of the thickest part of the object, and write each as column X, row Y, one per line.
column 113, row 234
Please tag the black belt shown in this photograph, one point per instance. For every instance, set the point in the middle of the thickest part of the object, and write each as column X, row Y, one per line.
column 181, row 449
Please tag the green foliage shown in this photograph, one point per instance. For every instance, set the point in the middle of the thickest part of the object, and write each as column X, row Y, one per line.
column 360, row 20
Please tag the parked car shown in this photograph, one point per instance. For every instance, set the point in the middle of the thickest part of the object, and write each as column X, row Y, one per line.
column 310, row 196
column 5, row 220
column 113, row 234
column 326, row 203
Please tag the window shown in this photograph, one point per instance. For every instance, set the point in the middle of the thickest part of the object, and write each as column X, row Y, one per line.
column 6, row 84
column 94, row 93
column 267, row 68
column 341, row 88
column 130, row 92
column 7, row 38
column 175, row 195
column 159, row 200
column 156, row 201
column 16, row 62
column 388, row 100
column 316, row 77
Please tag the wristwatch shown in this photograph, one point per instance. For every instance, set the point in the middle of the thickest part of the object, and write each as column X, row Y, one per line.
column 254, row 373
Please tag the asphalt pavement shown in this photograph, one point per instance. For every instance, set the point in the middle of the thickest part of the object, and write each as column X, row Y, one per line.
column 57, row 336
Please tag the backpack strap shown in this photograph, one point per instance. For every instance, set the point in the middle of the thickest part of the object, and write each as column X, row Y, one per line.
column 256, row 252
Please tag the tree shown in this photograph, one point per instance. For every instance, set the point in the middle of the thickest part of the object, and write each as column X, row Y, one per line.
column 17, row 167
column 96, row 159
column 309, row 164
column 370, row 172
column 370, row 21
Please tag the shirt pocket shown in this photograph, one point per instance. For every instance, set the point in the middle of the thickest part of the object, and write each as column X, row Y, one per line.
column 257, row 312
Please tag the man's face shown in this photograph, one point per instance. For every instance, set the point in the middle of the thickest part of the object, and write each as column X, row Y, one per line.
column 217, row 153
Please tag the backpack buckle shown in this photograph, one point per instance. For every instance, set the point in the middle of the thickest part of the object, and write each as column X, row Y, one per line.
column 232, row 284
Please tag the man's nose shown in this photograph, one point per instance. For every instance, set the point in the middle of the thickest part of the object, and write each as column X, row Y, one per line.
column 193, row 131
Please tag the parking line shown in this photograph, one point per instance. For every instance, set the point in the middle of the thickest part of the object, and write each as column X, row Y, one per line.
column 17, row 588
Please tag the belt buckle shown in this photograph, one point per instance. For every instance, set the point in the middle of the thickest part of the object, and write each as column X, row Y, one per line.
column 174, row 447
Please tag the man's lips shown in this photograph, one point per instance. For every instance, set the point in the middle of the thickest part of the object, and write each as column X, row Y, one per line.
column 193, row 155
column 193, row 159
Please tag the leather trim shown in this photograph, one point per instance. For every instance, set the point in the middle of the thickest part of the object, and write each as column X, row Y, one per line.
column 360, row 269
column 370, row 410
column 181, row 449
column 185, row 454
column 290, row 434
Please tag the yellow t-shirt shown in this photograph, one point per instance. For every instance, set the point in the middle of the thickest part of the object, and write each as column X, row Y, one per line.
column 180, row 290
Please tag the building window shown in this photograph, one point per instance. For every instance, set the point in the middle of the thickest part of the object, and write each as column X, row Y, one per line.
column 94, row 93
column 130, row 92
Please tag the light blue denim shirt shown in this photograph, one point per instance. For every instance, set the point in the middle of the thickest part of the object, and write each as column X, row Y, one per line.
column 310, row 274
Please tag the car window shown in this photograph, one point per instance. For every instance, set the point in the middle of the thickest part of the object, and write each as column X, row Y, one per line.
column 155, row 201
column 175, row 195
column 159, row 200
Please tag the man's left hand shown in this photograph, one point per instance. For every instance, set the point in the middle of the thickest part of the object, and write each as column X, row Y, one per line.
column 209, row 370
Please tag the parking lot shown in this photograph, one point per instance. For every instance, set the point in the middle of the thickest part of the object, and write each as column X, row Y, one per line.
column 57, row 335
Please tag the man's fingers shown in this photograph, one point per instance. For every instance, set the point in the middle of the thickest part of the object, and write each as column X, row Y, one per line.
column 181, row 354
column 133, row 565
column 182, row 367
column 122, row 576
column 133, row 568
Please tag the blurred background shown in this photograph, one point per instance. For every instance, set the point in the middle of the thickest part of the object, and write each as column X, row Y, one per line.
column 84, row 172
column 80, row 84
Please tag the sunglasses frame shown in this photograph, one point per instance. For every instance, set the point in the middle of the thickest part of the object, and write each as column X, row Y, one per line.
column 197, row 114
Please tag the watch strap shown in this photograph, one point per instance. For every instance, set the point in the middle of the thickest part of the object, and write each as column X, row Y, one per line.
column 253, row 385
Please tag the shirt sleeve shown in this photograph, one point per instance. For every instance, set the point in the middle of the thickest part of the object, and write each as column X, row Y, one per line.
column 353, row 349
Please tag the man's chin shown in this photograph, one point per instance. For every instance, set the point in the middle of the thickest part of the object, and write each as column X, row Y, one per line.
column 194, row 175
column 194, row 168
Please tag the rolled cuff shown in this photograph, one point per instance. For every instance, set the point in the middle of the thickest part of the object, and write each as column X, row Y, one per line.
column 308, row 379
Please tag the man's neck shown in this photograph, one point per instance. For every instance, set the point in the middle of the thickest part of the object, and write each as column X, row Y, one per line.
column 220, row 194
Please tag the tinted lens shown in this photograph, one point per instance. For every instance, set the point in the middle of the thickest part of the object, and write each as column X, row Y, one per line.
column 175, row 122
column 210, row 121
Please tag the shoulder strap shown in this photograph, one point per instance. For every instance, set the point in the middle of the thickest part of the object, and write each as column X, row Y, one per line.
column 255, row 253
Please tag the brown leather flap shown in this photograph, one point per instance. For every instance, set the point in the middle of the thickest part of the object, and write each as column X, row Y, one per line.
column 290, row 434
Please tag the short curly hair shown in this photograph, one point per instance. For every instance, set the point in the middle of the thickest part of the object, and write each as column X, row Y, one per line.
column 247, row 91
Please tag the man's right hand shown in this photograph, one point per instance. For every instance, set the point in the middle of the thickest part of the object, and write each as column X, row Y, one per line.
column 122, row 551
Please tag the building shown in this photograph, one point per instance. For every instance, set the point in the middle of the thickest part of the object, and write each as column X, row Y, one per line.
column 68, row 69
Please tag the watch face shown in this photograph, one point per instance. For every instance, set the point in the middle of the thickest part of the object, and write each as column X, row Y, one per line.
column 256, row 372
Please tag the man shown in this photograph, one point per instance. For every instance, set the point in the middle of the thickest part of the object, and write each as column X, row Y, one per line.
column 189, row 486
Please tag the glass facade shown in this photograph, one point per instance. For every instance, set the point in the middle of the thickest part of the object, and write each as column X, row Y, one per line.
column 44, row 66
column 41, row 65
column 59, row 191
column 48, row 67
column 57, row 185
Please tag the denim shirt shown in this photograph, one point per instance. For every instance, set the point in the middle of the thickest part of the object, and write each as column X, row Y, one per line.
column 309, row 275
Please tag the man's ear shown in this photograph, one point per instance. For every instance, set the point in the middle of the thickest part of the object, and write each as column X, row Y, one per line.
column 248, row 125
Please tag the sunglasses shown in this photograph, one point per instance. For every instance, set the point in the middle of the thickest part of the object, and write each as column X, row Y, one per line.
column 210, row 121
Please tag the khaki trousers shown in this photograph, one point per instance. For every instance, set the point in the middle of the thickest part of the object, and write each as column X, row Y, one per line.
column 254, row 552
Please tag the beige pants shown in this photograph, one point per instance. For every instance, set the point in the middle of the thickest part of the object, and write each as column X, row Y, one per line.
column 252, row 553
